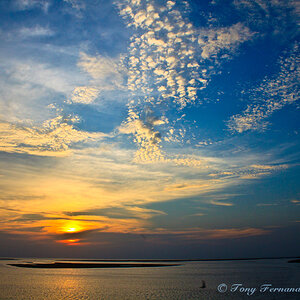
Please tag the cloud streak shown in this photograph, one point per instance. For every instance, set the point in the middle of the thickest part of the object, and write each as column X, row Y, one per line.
column 272, row 95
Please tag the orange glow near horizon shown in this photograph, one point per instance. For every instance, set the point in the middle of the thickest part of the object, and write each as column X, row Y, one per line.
column 70, row 242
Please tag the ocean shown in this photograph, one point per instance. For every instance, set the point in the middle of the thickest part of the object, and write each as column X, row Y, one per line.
column 223, row 280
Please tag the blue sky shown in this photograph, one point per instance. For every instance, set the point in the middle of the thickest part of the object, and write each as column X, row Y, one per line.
column 174, row 121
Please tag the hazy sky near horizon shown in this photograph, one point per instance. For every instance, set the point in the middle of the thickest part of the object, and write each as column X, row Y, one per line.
column 149, row 128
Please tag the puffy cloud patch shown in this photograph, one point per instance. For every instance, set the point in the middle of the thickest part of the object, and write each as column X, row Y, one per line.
column 146, row 137
column 213, row 41
column 84, row 94
column 53, row 138
column 169, row 62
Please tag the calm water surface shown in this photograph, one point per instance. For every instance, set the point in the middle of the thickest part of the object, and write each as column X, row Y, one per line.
column 179, row 282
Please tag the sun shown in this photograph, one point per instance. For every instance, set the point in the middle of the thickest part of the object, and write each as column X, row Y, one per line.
column 72, row 229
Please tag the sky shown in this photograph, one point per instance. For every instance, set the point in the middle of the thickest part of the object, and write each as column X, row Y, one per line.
column 149, row 128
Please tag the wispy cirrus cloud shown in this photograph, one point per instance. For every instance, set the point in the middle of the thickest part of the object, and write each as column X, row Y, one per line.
column 219, row 203
column 106, row 74
column 121, row 212
column 202, row 234
column 31, row 4
column 29, row 87
column 104, row 70
column 36, row 31
column 271, row 14
column 272, row 95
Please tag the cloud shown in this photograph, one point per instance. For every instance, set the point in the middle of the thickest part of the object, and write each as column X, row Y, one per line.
column 120, row 212
column 197, row 215
column 168, row 45
column 107, row 74
column 270, row 14
column 297, row 202
column 76, row 4
column 169, row 62
column 272, row 95
column 53, row 138
column 32, row 4
column 234, row 233
column 146, row 137
column 28, row 89
column 105, row 71
column 269, row 167
column 198, row 234
column 84, row 94
column 32, row 74
column 219, row 203
column 37, row 31
column 75, row 235
column 213, row 41
column 188, row 186
column 164, row 48
column 251, row 171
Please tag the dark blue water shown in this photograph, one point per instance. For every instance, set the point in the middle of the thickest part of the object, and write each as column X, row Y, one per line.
column 176, row 282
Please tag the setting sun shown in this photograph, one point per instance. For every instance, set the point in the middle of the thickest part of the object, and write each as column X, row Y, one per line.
column 72, row 229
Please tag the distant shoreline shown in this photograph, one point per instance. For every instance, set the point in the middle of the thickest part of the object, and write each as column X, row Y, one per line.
column 60, row 265
column 153, row 260
column 181, row 260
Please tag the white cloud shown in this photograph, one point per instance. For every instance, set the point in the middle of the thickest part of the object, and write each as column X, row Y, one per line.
column 219, row 203
column 38, row 74
column 269, row 167
column 273, row 94
column 84, row 94
column 104, row 71
column 27, row 87
column 53, row 138
column 212, row 41
column 296, row 202
column 146, row 138
column 164, row 48
column 166, row 60
column 31, row 4
column 107, row 74
column 37, row 31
